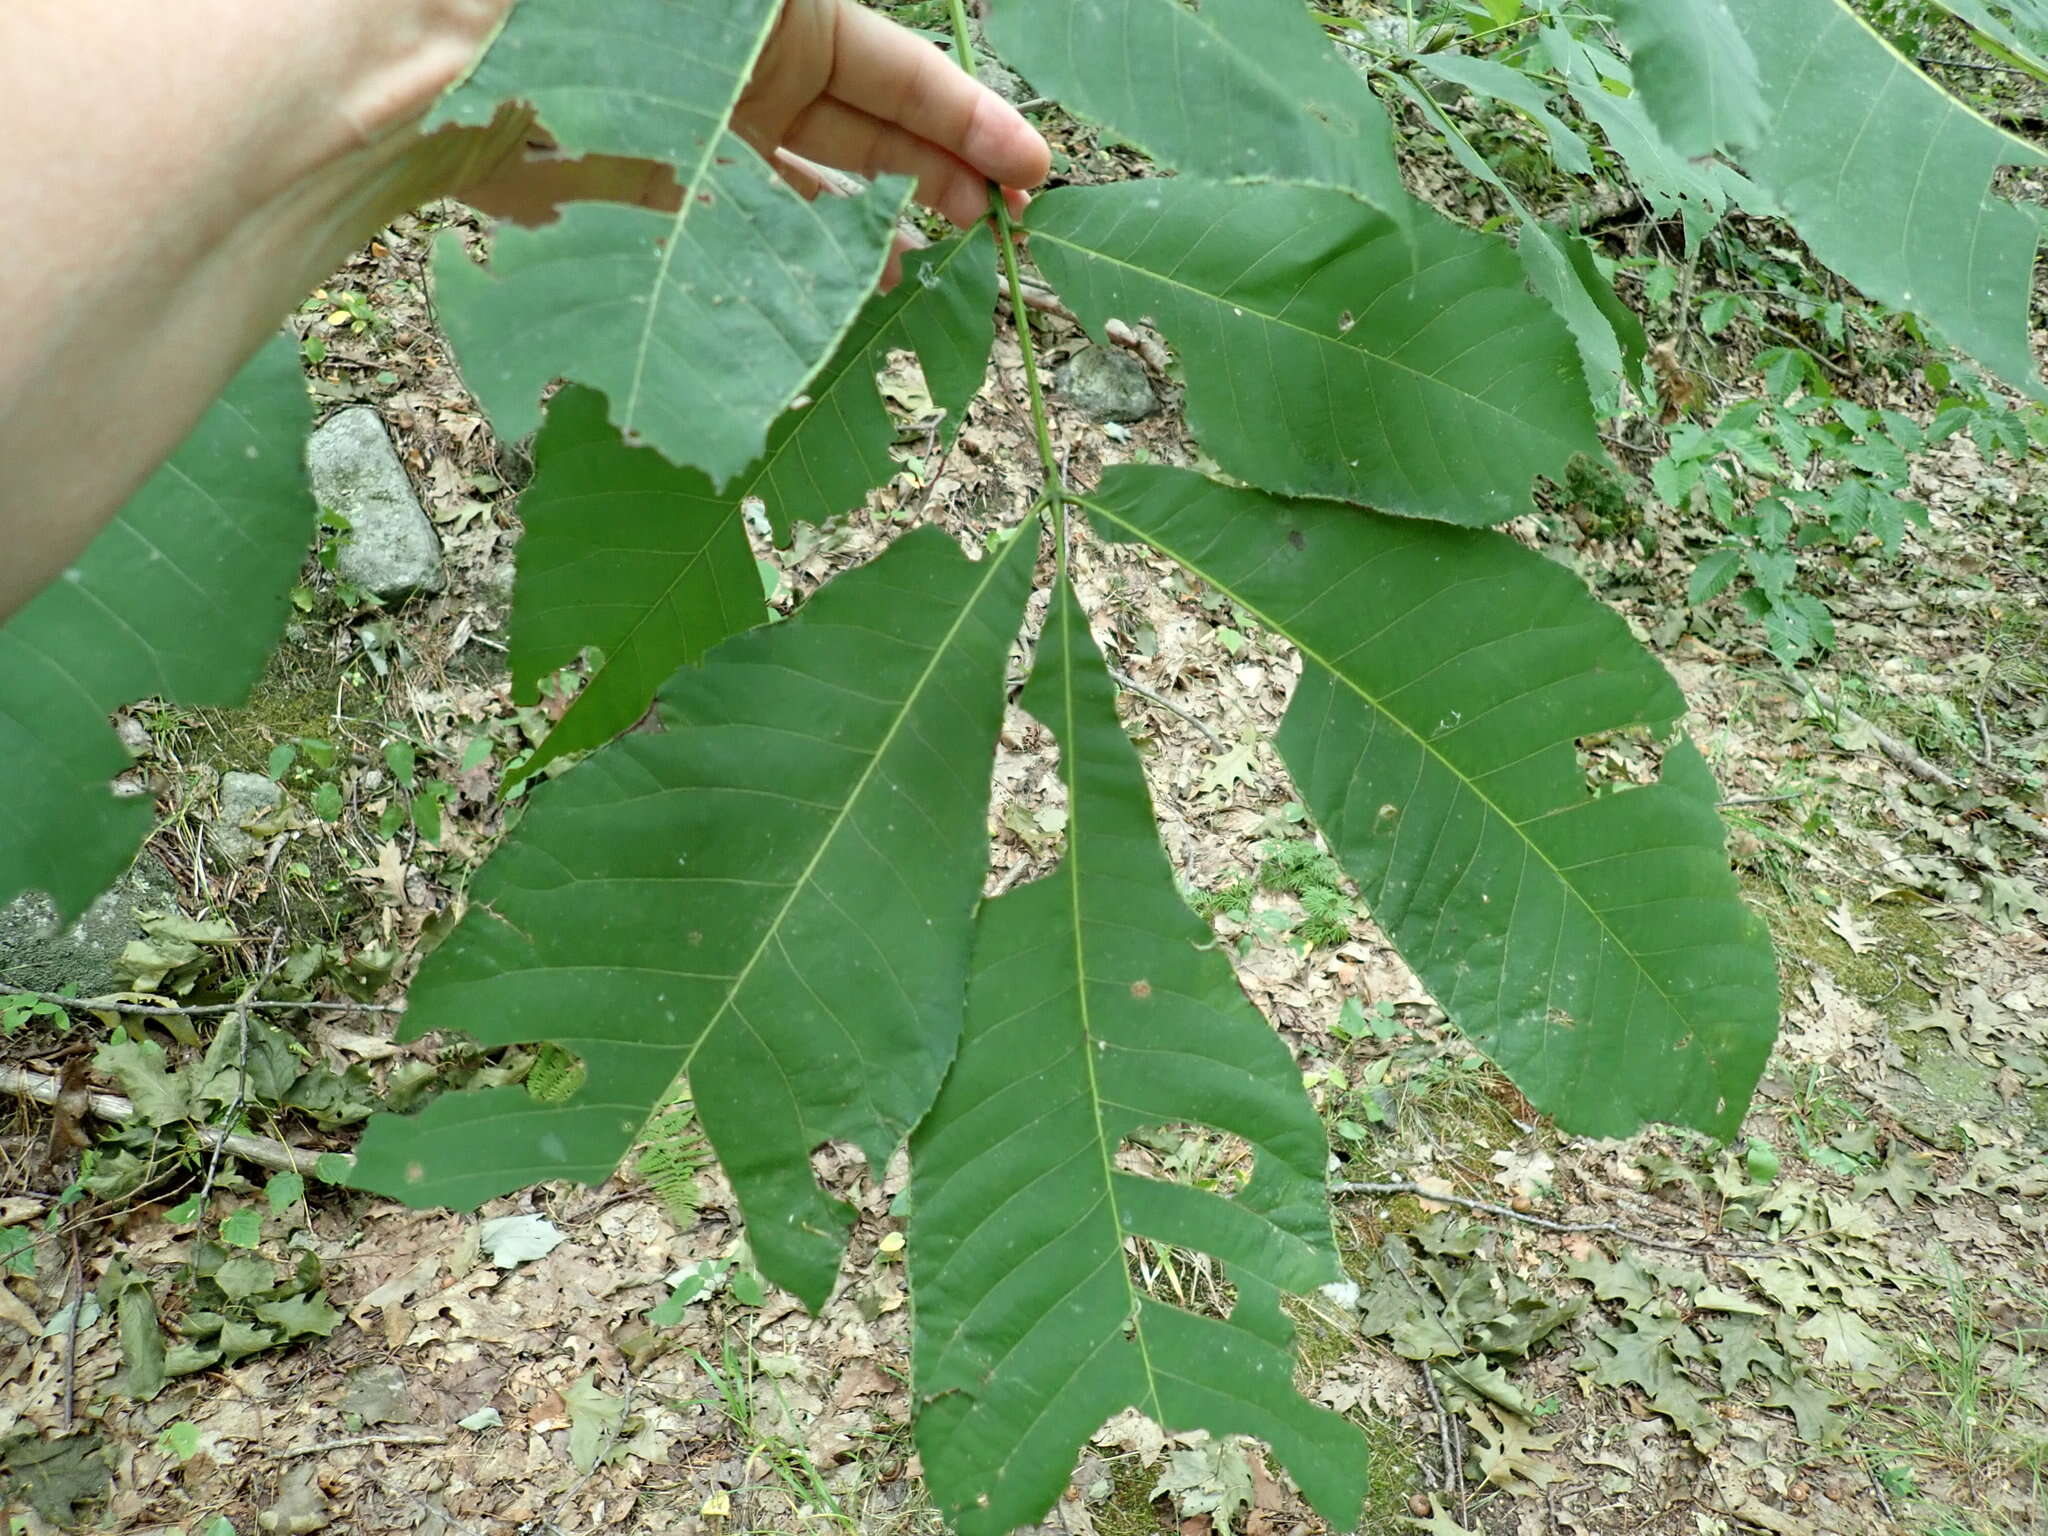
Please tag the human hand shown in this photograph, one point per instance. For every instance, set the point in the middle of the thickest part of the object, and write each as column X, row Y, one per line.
column 844, row 87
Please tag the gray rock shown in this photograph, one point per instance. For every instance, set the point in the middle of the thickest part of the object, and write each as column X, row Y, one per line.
column 391, row 550
column 243, row 798
column 1106, row 384
column 36, row 954
column 1000, row 78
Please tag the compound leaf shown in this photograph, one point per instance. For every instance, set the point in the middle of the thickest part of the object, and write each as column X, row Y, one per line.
column 1228, row 90
column 700, row 325
column 142, row 615
column 1888, row 178
column 1329, row 352
column 626, row 553
column 650, row 563
column 1097, row 1009
column 1695, row 72
column 774, row 896
column 1595, row 945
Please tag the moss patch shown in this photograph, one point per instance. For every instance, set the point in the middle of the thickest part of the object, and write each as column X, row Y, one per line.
column 1127, row 1511
column 1887, row 976
column 294, row 698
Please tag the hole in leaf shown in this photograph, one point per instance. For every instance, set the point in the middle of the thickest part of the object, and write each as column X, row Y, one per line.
column 1611, row 762
column 555, row 1075
column 1027, row 805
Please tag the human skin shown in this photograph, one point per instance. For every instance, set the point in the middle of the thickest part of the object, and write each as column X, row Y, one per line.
column 181, row 175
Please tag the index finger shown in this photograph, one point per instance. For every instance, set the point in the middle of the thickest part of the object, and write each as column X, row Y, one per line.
column 894, row 75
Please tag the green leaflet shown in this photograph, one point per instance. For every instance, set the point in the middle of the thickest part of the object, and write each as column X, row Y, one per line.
column 627, row 553
column 665, row 95
column 825, row 457
column 1228, row 90
column 1695, row 72
column 774, row 896
column 650, row 563
column 1097, row 1008
column 1486, row 77
column 699, row 326
column 1328, row 351
column 1595, row 946
column 1697, row 191
column 1559, row 266
column 1888, row 178
column 146, row 613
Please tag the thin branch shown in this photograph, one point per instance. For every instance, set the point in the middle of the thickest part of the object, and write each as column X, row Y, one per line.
column 241, row 1069
column 1454, row 1474
column 1006, row 238
column 264, row 1151
column 1887, row 743
column 1987, row 69
column 116, row 1002
column 350, row 1442
column 1604, row 1228
column 1044, row 300
column 1166, row 704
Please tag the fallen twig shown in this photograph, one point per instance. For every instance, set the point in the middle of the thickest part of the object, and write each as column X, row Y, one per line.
column 117, row 1002
column 1454, row 1469
column 1166, row 704
column 1543, row 1223
column 1044, row 300
column 350, row 1442
column 1887, row 743
column 74, row 1287
column 263, row 1151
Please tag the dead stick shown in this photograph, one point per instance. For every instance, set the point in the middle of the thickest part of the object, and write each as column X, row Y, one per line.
column 1887, row 743
column 260, row 1150
column 115, row 1002
column 1133, row 686
column 350, row 1442
column 1605, row 1228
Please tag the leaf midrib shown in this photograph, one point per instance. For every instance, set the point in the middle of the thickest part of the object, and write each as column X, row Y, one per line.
column 714, row 141
column 992, row 565
column 1070, row 754
column 1362, row 351
column 1310, row 653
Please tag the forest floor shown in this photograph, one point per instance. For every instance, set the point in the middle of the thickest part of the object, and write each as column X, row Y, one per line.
column 1837, row 1325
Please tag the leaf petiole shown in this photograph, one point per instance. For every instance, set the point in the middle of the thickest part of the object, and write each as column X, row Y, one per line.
column 1054, row 496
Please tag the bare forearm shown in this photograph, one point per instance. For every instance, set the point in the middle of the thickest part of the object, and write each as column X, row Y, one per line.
column 182, row 174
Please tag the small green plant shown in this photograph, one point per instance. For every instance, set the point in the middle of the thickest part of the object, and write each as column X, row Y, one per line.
column 673, row 1157
column 1305, row 871
column 1356, row 1022
column 1799, row 469
column 1296, row 867
column 19, row 1010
